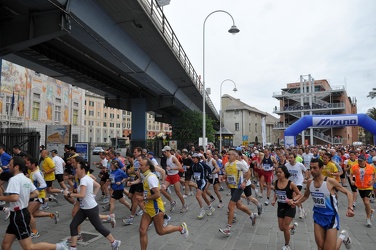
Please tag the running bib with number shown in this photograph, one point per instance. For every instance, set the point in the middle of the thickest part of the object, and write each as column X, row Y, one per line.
column 231, row 179
column 145, row 195
column 318, row 200
column 266, row 167
column 281, row 196
column 197, row 176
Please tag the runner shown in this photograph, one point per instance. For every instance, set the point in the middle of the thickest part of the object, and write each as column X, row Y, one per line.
column 284, row 189
column 325, row 213
column 213, row 178
column 236, row 181
column 154, row 208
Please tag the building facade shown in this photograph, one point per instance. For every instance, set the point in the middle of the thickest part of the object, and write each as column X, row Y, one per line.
column 32, row 100
column 245, row 122
column 315, row 97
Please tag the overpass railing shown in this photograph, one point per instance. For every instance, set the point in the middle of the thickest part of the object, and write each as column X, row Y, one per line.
column 160, row 21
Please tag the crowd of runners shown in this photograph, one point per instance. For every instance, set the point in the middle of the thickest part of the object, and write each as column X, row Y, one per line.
column 274, row 176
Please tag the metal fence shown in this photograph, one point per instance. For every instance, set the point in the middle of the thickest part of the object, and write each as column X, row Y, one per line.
column 26, row 138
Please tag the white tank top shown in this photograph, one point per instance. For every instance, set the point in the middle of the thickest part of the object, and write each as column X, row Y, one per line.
column 210, row 164
column 171, row 165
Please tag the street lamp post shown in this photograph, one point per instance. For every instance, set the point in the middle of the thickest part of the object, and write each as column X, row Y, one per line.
column 233, row 30
column 221, row 112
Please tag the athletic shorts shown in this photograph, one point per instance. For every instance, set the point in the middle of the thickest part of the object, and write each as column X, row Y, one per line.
column 353, row 187
column 365, row 193
column 49, row 183
column 201, row 184
column 5, row 176
column 187, row 176
column 213, row 181
column 59, row 177
column 153, row 211
column 136, row 188
column 172, row 179
column 117, row 194
column 299, row 187
column 105, row 176
column 236, row 193
column 40, row 200
column 248, row 191
column 19, row 224
column 268, row 175
column 285, row 211
column 326, row 221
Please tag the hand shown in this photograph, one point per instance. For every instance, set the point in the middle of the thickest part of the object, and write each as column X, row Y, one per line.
column 163, row 186
column 139, row 198
column 129, row 184
column 350, row 212
column 305, row 181
column 66, row 193
column 273, row 203
column 118, row 183
column 168, row 168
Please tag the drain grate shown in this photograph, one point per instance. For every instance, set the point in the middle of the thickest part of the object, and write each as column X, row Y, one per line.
column 88, row 238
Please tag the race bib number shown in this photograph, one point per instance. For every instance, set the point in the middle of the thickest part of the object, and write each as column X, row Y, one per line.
column 197, row 176
column 231, row 179
column 281, row 196
column 267, row 167
column 318, row 200
column 145, row 195
column 210, row 176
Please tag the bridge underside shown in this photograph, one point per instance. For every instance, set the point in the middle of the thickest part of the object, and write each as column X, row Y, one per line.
column 109, row 47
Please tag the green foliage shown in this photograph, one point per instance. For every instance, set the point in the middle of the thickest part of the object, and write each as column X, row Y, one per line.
column 372, row 94
column 188, row 128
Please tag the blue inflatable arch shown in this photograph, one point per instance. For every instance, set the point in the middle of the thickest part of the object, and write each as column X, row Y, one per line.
column 328, row 121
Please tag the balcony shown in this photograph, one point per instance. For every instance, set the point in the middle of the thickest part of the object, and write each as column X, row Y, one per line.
column 285, row 94
column 307, row 108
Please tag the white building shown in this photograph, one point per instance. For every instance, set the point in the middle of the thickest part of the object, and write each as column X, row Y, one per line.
column 245, row 122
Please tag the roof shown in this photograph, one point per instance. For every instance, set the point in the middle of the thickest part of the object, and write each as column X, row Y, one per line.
column 225, row 131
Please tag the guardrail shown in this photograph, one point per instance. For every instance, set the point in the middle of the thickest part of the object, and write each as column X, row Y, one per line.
column 157, row 16
column 298, row 108
column 286, row 93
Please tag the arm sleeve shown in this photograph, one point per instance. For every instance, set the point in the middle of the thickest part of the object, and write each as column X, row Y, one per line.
column 153, row 182
column 41, row 181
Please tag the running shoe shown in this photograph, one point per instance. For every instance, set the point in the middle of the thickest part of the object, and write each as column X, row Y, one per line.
column 201, row 214
column 226, row 231
column 6, row 211
column 62, row 246
column 293, row 229
column 372, row 211
column 368, row 223
column 173, row 205
column 56, row 217
column 53, row 198
column 106, row 208
column 259, row 209
column 184, row 230
column 166, row 220
column 191, row 193
column 220, row 205
column 286, row 247
column 253, row 218
column 2, row 203
column 184, row 209
column 105, row 201
column 266, row 202
column 185, row 196
column 112, row 220
column 35, row 235
column 79, row 238
column 212, row 200
column 346, row 239
column 116, row 244
column 140, row 212
column 128, row 221
column 211, row 211
column 221, row 188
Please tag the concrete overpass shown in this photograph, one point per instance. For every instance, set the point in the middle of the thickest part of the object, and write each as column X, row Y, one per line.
column 124, row 50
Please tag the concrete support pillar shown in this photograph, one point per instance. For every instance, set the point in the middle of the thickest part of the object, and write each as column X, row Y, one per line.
column 139, row 122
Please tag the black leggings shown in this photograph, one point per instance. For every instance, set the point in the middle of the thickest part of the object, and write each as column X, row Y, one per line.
column 93, row 215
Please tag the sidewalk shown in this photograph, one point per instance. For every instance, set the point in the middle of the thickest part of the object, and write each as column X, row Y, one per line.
column 204, row 233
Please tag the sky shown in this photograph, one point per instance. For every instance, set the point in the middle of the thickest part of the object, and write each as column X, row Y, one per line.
column 279, row 41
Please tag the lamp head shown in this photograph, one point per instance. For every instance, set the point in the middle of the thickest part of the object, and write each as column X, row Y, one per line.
column 233, row 30
column 235, row 89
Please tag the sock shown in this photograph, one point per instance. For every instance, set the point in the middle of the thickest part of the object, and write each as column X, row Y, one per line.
column 342, row 237
column 180, row 228
column 165, row 216
column 210, row 207
column 267, row 198
column 220, row 201
column 51, row 215
column 34, row 231
column 228, row 225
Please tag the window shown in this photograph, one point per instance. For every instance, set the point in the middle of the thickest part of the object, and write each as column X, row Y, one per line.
column 118, row 125
column 91, row 103
column 36, row 96
column 256, row 127
column 105, row 115
column 75, row 117
column 35, row 113
column 112, row 116
column 236, row 126
column 118, row 116
column 85, row 123
column 85, row 112
column 249, row 127
column 57, row 113
column 128, row 113
column 75, row 104
column 99, row 114
column 91, row 112
column 104, row 124
column 149, row 127
column 236, row 112
column 58, row 100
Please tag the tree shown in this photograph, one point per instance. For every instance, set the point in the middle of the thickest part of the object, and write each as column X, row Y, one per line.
column 188, row 128
column 369, row 137
column 372, row 94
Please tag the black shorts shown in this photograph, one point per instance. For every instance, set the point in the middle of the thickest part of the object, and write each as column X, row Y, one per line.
column 299, row 187
column 236, row 193
column 181, row 174
column 353, row 187
column 365, row 193
column 5, row 176
column 285, row 211
column 213, row 181
column 117, row 194
column 40, row 200
column 201, row 184
column 248, row 191
column 49, row 183
column 19, row 224
column 187, row 176
column 59, row 177
column 139, row 188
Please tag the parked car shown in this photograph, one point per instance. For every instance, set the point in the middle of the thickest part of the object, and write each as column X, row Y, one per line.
column 97, row 150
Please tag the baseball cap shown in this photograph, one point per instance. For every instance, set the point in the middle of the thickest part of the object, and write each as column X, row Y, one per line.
column 166, row 148
column 54, row 151
column 195, row 155
column 361, row 158
column 185, row 150
column 151, row 153
column 256, row 152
